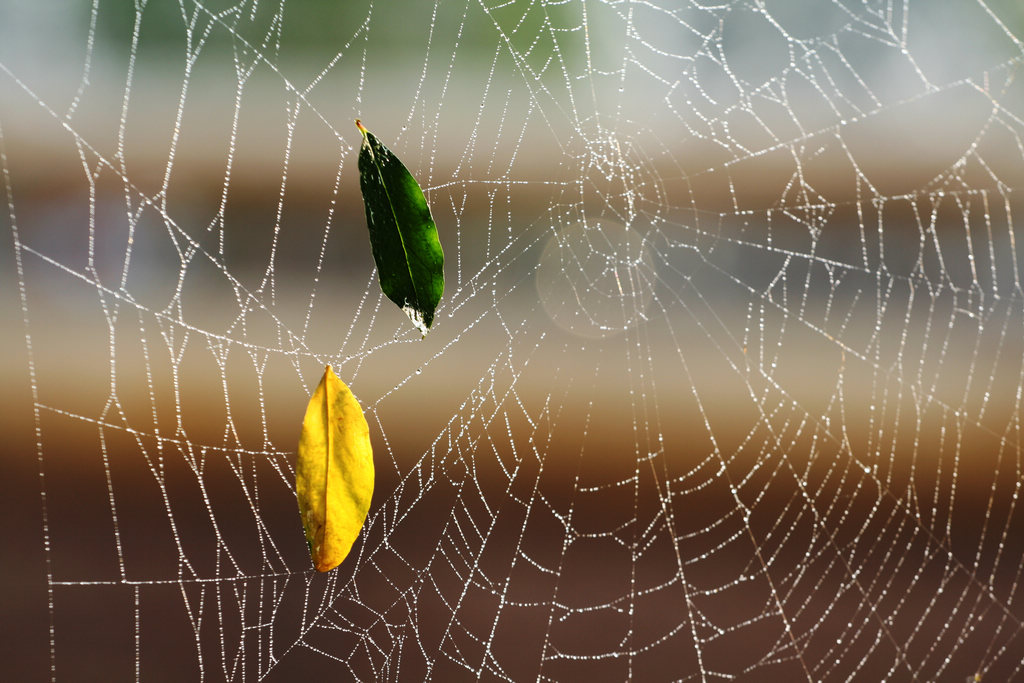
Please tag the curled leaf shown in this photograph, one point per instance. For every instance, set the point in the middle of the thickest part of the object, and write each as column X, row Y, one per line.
column 410, row 263
column 334, row 472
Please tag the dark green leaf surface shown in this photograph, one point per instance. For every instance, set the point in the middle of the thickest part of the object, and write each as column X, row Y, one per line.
column 410, row 263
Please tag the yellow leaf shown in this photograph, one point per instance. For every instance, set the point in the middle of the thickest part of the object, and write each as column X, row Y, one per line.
column 334, row 472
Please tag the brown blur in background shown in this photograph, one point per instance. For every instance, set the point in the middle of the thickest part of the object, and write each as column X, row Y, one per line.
column 726, row 380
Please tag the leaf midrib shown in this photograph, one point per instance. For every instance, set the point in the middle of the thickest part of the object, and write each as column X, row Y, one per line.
column 398, row 226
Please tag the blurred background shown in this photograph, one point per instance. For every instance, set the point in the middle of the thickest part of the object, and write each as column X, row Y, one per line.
column 726, row 381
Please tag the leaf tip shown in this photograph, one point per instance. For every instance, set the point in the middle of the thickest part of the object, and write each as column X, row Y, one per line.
column 325, row 566
column 419, row 320
column 361, row 127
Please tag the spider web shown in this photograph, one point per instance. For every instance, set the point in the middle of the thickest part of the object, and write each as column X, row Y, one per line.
column 726, row 381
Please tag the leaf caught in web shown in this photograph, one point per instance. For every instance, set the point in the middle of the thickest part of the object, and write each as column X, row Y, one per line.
column 334, row 472
column 410, row 263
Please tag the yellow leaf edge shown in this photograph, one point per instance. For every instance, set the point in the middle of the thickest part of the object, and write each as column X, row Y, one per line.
column 334, row 472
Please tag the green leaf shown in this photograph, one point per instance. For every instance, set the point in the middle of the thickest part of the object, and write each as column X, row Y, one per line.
column 410, row 263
